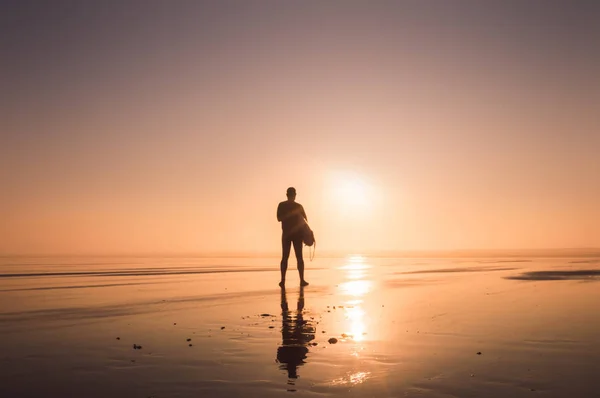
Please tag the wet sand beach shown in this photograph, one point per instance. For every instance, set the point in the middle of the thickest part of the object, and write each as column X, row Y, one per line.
column 221, row 327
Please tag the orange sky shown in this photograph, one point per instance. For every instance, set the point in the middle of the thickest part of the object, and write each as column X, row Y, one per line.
column 155, row 127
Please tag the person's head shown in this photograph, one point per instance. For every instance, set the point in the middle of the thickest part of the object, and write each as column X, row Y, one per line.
column 291, row 193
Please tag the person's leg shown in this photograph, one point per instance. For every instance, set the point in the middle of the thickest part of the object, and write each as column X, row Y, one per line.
column 299, row 259
column 286, row 246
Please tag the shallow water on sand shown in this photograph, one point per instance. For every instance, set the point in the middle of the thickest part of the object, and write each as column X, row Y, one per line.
column 404, row 327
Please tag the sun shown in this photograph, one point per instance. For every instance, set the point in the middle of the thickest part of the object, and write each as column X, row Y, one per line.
column 350, row 193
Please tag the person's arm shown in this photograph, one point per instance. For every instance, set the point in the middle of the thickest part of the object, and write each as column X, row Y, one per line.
column 303, row 213
column 279, row 212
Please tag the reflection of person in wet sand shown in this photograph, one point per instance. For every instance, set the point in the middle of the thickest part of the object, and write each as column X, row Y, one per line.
column 296, row 333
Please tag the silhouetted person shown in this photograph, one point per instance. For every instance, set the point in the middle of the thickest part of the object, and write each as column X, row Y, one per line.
column 296, row 333
column 293, row 219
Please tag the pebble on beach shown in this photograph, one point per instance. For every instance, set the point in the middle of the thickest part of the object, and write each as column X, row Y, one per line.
column 332, row 340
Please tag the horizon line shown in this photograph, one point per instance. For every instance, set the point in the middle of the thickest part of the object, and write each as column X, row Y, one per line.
column 587, row 251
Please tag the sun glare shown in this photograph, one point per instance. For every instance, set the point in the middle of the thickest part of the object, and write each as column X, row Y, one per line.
column 351, row 193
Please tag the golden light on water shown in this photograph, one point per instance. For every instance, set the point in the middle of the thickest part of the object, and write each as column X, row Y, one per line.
column 352, row 378
column 356, row 287
column 356, row 259
column 354, row 302
column 355, row 316
column 356, row 274
column 356, row 269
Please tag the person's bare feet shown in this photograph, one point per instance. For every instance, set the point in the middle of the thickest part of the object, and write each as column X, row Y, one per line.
column 304, row 283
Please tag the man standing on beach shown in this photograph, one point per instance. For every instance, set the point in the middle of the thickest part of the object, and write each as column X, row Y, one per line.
column 293, row 219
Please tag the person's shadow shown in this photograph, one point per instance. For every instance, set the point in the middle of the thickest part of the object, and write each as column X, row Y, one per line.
column 296, row 333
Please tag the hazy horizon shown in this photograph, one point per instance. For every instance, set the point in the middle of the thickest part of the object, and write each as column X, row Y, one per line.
column 151, row 126
column 467, row 253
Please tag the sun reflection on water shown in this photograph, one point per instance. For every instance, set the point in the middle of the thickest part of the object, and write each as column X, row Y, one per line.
column 356, row 274
column 355, row 288
column 356, row 328
column 351, row 378
column 355, row 263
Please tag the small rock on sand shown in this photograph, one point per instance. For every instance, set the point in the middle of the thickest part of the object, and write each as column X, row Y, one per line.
column 118, row 338
column 332, row 340
column 222, row 327
column 189, row 340
column 479, row 353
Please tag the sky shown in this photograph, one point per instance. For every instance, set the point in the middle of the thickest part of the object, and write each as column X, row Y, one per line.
column 176, row 127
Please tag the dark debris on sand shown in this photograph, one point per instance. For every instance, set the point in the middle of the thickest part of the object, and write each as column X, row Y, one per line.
column 332, row 340
column 137, row 347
